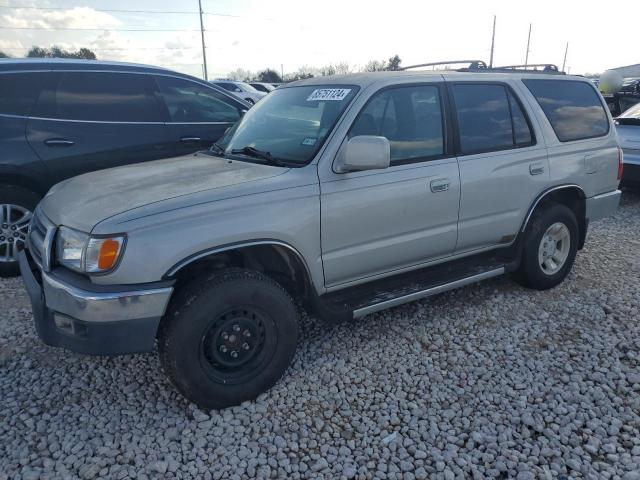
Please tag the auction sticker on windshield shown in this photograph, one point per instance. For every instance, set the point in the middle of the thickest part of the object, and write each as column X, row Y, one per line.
column 328, row 94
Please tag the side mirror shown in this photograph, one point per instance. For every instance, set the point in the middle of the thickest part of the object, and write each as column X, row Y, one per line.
column 364, row 152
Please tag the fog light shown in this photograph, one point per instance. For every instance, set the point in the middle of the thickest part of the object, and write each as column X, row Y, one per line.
column 63, row 323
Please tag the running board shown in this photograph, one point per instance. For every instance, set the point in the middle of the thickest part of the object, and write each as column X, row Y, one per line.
column 394, row 302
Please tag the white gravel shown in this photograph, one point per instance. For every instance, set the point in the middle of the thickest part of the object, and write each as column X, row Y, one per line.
column 488, row 381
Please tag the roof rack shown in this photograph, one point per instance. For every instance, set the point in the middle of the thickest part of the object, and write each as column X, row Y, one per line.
column 531, row 67
column 472, row 64
column 480, row 66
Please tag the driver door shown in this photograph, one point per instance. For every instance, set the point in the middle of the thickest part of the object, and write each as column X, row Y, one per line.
column 377, row 222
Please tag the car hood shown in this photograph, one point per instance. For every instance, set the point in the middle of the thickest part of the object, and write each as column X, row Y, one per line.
column 84, row 201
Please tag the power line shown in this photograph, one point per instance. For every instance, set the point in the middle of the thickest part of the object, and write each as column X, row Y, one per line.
column 114, row 49
column 114, row 10
column 100, row 29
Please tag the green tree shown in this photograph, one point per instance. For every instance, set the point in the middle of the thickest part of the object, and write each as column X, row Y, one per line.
column 269, row 76
column 394, row 63
column 57, row 52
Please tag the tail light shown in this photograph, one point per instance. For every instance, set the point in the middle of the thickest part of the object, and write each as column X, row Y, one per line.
column 620, row 163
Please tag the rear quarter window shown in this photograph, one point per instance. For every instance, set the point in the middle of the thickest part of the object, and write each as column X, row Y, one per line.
column 573, row 108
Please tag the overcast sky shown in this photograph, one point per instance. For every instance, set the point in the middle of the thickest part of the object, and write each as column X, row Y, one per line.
column 254, row 35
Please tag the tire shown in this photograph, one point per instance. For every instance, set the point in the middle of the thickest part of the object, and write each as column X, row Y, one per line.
column 192, row 336
column 538, row 247
column 23, row 202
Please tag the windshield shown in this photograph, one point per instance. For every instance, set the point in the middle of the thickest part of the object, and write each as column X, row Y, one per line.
column 291, row 124
column 246, row 87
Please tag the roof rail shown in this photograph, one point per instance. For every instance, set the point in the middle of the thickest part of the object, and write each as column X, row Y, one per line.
column 532, row 67
column 472, row 64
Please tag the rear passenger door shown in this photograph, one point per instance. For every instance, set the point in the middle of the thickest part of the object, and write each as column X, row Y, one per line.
column 85, row 121
column 503, row 166
column 377, row 222
column 198, row 114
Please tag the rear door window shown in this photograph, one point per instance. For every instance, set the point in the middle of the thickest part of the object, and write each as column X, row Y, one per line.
column 572, row 107
column 489, row 118
column 101, row 96
column 18, row 92
column 189, row 101
column 410, row 117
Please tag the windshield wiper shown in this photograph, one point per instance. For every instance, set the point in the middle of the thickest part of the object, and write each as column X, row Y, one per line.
column 254, row 152
column 217, row 150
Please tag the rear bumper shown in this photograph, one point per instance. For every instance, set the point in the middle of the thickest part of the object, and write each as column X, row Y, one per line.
column 100, row 322
column 603, row 205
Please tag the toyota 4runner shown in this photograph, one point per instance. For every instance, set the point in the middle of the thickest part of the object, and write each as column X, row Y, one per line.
column 351, row 194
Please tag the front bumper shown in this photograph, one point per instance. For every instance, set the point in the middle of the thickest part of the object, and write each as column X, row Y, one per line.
column 603, row 205
column 72, row 313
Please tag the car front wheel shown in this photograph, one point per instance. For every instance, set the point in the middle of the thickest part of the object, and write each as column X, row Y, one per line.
column 16, row 207
column 228, row 337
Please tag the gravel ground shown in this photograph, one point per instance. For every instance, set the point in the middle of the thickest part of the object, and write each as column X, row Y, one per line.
column 488, row 381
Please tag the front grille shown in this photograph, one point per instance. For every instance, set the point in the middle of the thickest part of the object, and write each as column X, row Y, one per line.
column 41, row 234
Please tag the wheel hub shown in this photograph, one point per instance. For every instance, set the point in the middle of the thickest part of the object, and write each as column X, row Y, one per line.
column 14, row 222
column 554, row 248
column 234, row 339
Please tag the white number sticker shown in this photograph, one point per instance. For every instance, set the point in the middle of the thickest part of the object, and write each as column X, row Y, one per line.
column 328, row 94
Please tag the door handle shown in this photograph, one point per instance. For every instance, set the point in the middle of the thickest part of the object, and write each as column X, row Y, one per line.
column 190, row 139
column 536, row 169
column 59, row 142
column 440, row 185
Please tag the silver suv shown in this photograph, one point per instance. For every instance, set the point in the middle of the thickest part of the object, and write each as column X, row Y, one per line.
column 351, row 194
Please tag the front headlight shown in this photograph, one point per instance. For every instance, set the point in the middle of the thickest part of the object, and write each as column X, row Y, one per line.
column 70, row 245
column 83, row 253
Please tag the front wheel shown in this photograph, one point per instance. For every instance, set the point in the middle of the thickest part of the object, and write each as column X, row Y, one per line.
column 228, row 338
column 550, row 247
column 16, row 207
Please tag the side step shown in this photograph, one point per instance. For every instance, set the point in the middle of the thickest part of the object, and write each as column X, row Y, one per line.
column 406, row 287
column 427, row 292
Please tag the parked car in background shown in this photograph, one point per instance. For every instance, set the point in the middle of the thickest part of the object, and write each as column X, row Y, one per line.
column 241, row 90
column 61, row 118
column 628, row 126
column 262, row 87
column 630, row 85
column 349, row 194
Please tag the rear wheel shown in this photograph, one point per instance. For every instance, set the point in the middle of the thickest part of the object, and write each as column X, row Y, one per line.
column 16, row 207
column 550, row 247
column 228, row 338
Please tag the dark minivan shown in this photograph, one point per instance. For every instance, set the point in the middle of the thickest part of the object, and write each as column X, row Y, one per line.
column 61, row 118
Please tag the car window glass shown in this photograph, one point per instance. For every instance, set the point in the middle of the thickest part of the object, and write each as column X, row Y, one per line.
column 189, row 101
column 521, row 130
column 484, row 120
column 409, row 117
column 572, row 107
column 18, row 92
column 100, row 96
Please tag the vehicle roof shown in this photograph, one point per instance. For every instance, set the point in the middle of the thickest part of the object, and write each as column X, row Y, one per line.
column 365, row 79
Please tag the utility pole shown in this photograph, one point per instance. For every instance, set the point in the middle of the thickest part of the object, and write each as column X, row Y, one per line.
column 564, row 62
column 493, row 42
column 282, row 71
column 204, row 52
column 526, row 58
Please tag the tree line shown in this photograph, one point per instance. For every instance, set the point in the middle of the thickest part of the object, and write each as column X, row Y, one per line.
column 306, row 71
column 268, row 75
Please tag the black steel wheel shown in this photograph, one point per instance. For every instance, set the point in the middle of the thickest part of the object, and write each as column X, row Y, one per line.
column 228, row 338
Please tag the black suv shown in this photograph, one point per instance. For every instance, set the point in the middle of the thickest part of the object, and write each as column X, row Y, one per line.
column 61, row 118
